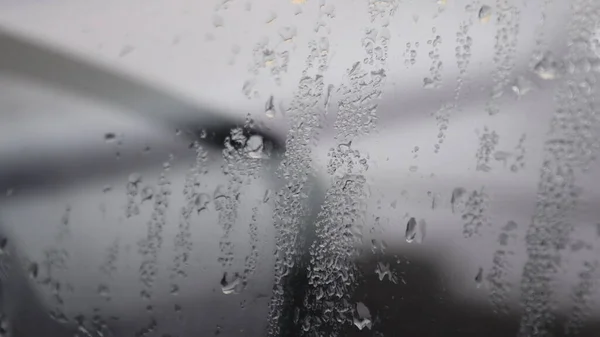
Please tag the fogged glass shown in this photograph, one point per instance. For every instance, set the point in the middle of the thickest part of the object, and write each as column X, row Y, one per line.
column 299, row 168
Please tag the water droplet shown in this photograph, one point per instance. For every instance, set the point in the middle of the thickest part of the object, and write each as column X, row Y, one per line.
column 232, row 286
column 413, row 168
column 522, row 86
column 457, row 194
column 135, row 178
column 33, row 270
column 485, row 14
column 201, row 201
column 428, row 83
column 270, row 107
column 411, row 230
column 107, row 189
column 287, row 33
column 364, row 317
column 382, row 270
column 272, row 16
column 549, row 68
column 479, row 277
column 110, row 137
column 147, row 193
column 174, row 289
column 104, row 292
column 254, row 147
column 267, row 195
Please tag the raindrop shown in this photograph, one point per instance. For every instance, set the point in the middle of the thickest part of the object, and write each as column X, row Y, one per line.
column 428, row 83
column 413, row 168
column 270, row 108
column 271, row 17
column 267, row 196
column 33, row 270
column 382, row 270
column 479, row 277
column 201, row 200
column 548, row 68
column 522, row 86
column 457, row 194
column 485, row 14
column 135, row 178
column 254, row 147
column 147, row 193
column 110, row 137
column 364, row 316
column 287, row 33
column 174, row 289
column 107, row 189
column 232, row 286
column 104, row 292
column 411, row 230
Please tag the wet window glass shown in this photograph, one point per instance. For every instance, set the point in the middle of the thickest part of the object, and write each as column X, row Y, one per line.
column 300, row 168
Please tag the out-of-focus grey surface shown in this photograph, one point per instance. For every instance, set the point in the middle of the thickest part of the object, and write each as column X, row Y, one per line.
column 214, row 53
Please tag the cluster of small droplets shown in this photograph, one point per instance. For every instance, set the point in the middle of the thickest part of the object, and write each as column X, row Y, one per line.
column 464, row 43
column 488, row 140
column 410, row 54
column 109, row 266
column 505, row 48
column 474, row 214
column 497, row 277
column 382, row 9
column 519, row 158
column 582, row 296
column 196, row 201
column 442, row 119
column 92, row 327
column 148, row 329
column 296, row 169
column 332, row 274
column 570, row 148
column 357, row 107
column 242, row 162
column 343, row 159
column 132, row 189
column 251, row 260
column 150, row 246
column 435, row 70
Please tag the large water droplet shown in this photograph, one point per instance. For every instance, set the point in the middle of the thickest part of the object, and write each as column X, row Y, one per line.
column 231, row 286
column 411, row 230
column 135, row 178
column 254, row 147
column 147, row 193
column 485, row 14
column 201, row 201
column 479, row 277
column 270, row 108
column 33, row 270
column 104, row 292
column 521, row 86
column 549, row 68
column 364, row 316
